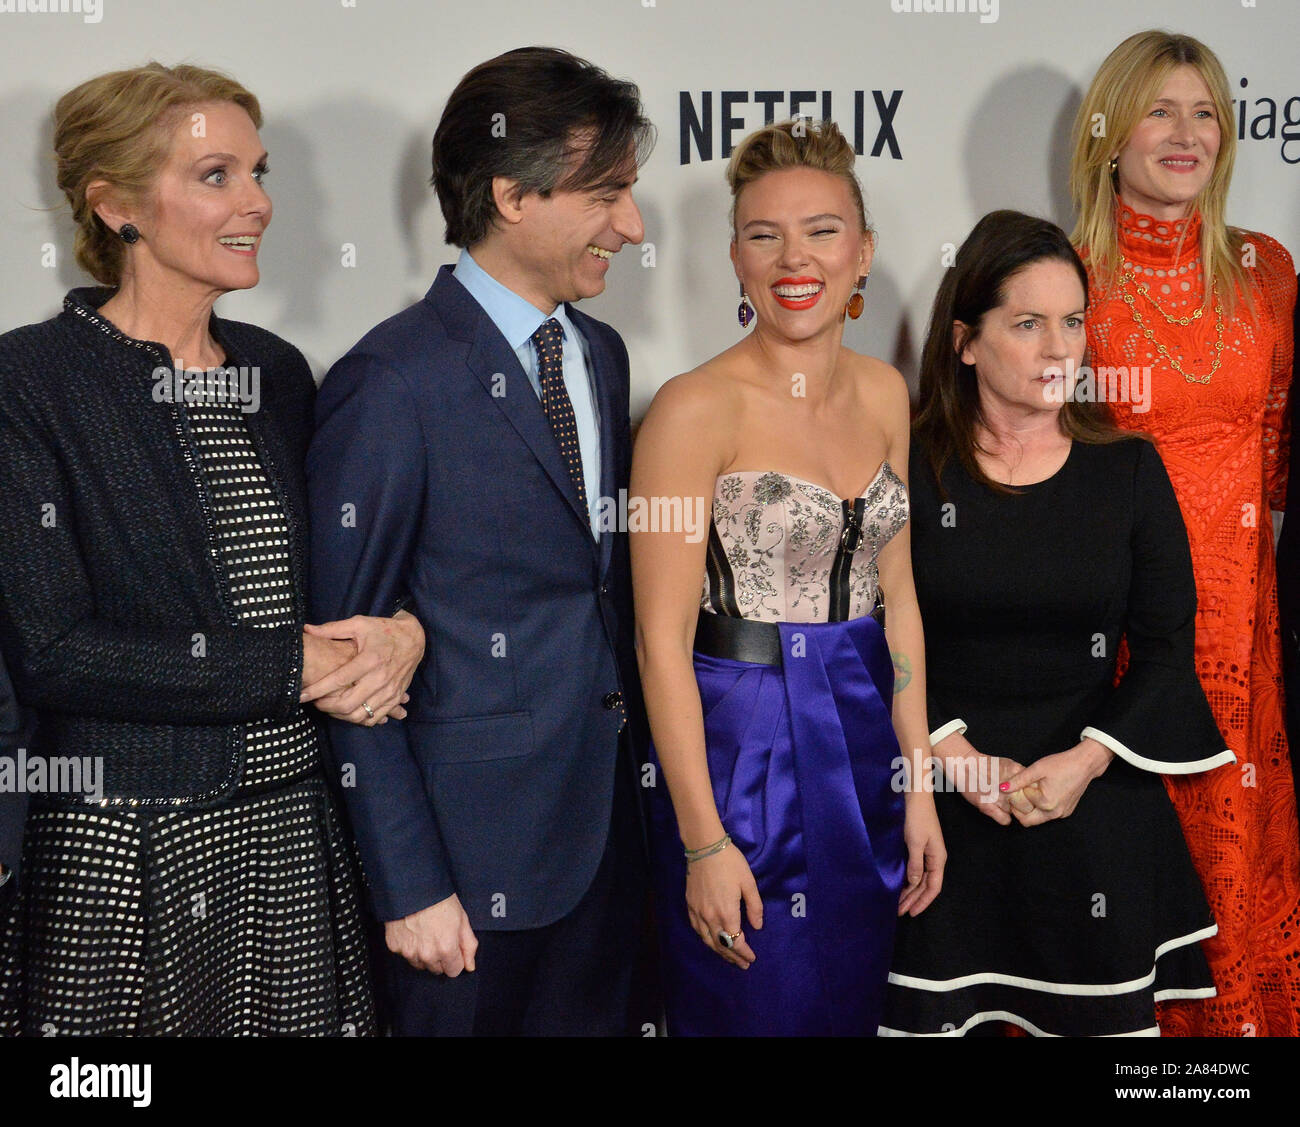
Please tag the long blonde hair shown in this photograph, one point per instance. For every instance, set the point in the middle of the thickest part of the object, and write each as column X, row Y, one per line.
column 1120, row 96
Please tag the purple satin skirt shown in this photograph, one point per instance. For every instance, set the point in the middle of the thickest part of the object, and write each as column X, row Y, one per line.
column 802, row 759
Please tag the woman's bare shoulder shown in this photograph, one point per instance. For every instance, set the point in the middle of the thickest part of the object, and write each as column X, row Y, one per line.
column 711, row 391
column 883, row 383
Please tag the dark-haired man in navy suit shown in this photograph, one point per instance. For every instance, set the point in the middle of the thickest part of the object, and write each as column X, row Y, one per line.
column 462, row 453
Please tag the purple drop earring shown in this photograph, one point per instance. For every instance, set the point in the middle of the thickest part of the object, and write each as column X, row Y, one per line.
column 745, row 313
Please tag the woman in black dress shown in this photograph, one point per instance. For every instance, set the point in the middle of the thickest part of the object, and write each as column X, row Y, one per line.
column 1042, row 536
column 152, row 547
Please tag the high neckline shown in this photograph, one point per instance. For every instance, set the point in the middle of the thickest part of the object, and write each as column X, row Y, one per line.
column 85, row 302
column 1158, row 242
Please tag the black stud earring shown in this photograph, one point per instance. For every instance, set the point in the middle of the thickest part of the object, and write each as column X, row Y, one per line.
column 130, row 233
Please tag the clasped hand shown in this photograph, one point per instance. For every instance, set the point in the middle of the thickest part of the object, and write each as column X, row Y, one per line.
column 1048, row 789
column 1051, row 787
column 361, row 662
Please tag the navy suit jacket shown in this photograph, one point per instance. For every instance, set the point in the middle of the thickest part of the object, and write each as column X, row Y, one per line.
column 14, row 732
column 434, row 474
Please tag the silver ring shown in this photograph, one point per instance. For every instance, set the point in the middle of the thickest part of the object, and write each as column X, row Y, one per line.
column 728, row 938
column 370, row 712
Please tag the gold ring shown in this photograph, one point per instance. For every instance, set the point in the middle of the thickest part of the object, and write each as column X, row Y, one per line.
column 370, row 712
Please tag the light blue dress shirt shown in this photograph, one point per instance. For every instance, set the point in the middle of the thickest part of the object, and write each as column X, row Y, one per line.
column 517, row 320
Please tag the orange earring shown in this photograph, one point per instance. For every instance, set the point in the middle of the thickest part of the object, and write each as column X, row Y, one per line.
column 857, row 301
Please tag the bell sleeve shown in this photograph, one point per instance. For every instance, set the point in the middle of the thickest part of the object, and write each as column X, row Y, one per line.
column 1157, row 718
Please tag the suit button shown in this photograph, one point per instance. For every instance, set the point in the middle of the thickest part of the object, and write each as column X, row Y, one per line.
column 604, row 588
column 612, row 700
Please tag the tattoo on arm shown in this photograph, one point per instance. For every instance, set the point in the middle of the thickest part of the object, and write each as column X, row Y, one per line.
column 902, row 672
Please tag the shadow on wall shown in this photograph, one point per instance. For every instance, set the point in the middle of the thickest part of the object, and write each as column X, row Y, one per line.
column 628, row 301
column 420, row 221
column 294, row 269
column 50, row 211
column 884, row 330
column 695, row 252
column 336, row 238
column 1015, row 156
column 1017, row 150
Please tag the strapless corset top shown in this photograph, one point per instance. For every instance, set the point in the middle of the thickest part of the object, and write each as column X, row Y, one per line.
column 782, row 549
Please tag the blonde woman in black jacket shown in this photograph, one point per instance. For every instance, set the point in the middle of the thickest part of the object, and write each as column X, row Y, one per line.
column 152, row 556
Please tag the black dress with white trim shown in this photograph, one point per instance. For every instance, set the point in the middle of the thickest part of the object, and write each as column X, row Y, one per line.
column 1078, row 926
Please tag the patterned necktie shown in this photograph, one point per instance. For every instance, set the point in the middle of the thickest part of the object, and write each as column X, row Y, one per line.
column 549, row 342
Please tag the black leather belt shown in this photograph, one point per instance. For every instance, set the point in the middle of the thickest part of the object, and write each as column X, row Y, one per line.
column 738, row 639
column 746, row 639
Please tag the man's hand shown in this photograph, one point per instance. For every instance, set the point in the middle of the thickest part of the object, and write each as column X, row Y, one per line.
column 437, row 938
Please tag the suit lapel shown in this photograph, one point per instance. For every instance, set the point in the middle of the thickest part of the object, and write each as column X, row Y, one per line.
column 497, row 368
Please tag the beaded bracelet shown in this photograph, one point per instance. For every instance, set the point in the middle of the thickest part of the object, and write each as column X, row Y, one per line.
column 693, row 855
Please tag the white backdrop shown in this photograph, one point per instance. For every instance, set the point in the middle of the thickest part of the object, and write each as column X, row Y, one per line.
column 352, row 90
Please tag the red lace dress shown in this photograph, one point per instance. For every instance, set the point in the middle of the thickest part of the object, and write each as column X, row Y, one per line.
column 1224, row 444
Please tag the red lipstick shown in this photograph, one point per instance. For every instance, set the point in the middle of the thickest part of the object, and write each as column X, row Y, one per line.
column 809, row 293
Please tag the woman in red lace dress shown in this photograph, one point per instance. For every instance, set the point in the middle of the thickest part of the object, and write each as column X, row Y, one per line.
column 1197, row 317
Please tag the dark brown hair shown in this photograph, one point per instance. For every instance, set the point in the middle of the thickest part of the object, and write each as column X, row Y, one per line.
column 949, row 414
column 524, row 115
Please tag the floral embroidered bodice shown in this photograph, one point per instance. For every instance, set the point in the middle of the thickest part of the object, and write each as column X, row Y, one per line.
column 782, row 549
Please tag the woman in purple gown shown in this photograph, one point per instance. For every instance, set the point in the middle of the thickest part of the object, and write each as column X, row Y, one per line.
column 774, row 697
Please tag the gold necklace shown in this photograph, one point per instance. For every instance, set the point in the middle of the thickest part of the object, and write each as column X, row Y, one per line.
column 1150, row 333
column 1145, row 290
